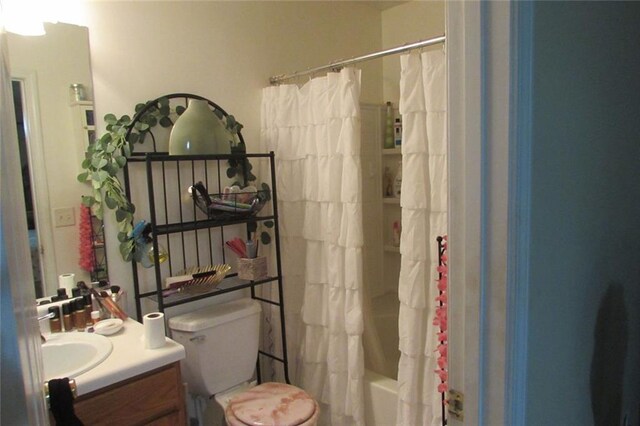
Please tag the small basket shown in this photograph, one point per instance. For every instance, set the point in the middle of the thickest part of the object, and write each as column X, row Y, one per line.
column 228, row 206
column 252, row 269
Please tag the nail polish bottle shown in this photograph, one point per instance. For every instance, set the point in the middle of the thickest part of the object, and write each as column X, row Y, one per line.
column 67, row 319
column 54, row 323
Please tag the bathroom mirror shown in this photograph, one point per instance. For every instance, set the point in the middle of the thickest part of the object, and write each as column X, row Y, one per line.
column 55, row 130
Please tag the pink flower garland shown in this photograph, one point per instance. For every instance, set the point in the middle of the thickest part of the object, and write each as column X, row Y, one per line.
column 86, row 250
column 440, row 320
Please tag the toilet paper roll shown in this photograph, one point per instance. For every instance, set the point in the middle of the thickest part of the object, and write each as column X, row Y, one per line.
column 154, row 330
column 67, row 281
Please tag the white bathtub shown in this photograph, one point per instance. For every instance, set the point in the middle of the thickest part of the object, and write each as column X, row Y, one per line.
column 380, row 399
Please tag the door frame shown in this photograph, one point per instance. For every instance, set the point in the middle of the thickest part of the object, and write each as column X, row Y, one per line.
column 38, row 175
column 489, row 52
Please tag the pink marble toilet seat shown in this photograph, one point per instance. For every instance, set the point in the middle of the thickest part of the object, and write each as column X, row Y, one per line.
column 272, row 404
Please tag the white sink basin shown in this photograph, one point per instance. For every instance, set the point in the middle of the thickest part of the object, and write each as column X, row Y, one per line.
column 71, row 354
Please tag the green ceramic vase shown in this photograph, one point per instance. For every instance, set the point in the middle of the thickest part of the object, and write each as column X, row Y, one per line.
column 199, row 131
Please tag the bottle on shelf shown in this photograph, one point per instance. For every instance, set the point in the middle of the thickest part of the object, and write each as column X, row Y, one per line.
column 387, row 183
column 397, row 181
column 397, row 132
column 388, row 134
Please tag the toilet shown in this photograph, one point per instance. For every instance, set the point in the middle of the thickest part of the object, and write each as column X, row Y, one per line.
column 221, row 345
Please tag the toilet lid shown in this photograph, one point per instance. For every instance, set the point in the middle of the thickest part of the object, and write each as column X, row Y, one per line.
column 273, row 404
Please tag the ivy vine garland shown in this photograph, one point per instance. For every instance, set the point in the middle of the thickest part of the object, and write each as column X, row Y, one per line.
column 107, row 156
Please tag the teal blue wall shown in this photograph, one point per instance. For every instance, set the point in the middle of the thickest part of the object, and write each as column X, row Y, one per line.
column 584, row 323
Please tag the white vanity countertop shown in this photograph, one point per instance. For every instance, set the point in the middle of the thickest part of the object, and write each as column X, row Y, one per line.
column 128, row 358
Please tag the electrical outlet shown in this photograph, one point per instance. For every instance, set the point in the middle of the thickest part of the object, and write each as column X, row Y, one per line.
column 64, row 217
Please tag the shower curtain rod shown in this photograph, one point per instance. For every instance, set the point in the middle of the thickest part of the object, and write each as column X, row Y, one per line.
column 343, row 63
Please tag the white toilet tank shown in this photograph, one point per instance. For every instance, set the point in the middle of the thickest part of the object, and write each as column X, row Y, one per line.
column 221, row 345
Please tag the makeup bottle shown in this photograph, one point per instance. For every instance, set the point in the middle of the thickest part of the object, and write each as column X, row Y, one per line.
column 79, row 321
column 88, row 308
column 54, row 323
column 67, row 319
column 62, row 293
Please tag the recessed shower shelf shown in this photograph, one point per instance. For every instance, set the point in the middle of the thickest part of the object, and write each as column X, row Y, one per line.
column 391, row 200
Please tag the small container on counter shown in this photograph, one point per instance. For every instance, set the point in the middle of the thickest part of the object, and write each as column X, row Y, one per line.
column 79, row 321
column 88, row 308
column 55, row 324
column 95, row 317
column 67, row 319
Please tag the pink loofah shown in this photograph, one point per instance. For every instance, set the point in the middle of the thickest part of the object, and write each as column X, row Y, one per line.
column 440, row 319
column 86, row 260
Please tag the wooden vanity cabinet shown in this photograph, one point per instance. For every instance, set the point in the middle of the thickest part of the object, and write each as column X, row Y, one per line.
column 154, row 398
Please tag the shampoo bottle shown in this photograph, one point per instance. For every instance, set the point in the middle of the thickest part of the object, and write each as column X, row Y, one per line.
column 388, row 134
column 397, row 181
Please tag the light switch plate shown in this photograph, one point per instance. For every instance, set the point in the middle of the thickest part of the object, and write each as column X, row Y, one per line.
column 64, row 217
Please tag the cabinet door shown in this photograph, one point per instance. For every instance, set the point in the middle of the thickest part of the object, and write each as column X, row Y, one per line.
column 154, row 398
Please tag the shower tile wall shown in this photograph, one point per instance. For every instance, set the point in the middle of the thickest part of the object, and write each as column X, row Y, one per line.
column 372, row 260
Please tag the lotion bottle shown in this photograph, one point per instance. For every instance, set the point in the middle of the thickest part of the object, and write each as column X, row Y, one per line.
column 397, row 181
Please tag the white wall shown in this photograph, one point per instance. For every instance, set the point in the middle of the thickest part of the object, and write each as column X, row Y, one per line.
column 584, row 323
column 225, row 51
column 406, row 23
column 59, row 58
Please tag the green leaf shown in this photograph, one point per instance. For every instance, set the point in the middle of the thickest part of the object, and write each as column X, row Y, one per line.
column 265, row 238
column 110, row 119
column 139, row 107
column 251, row 177
column 122, row 237
column 166, row 122
column 86, row 163
column 231, row 172
column 125, row 119
column 141, row 126
column 82, row 177
column 121, row 215
column 88, row 200
column 218, row 114
column 164, row 101
column 126, row 150
column 110, row 202
column 121, row 161
column 134, row 137
column 269, row 223
column 180, row 109
column 165, row 110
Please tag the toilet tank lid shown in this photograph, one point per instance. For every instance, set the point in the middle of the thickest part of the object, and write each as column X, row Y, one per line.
column 214, row 315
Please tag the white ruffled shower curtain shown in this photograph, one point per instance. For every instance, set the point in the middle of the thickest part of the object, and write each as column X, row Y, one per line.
column 315, row 134
column 424, row 217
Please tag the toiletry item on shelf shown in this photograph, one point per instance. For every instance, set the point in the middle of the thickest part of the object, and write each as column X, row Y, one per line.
column 67, row 319
column 397, row 181
column 252, row 249
column 388, row 133
column 55, row 324
column 397, row 230
column 397, row 132
column 253, row 269
column 154, row 330
column 387, row 183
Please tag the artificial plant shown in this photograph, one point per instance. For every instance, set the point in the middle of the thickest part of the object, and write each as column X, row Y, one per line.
column 107, row 156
